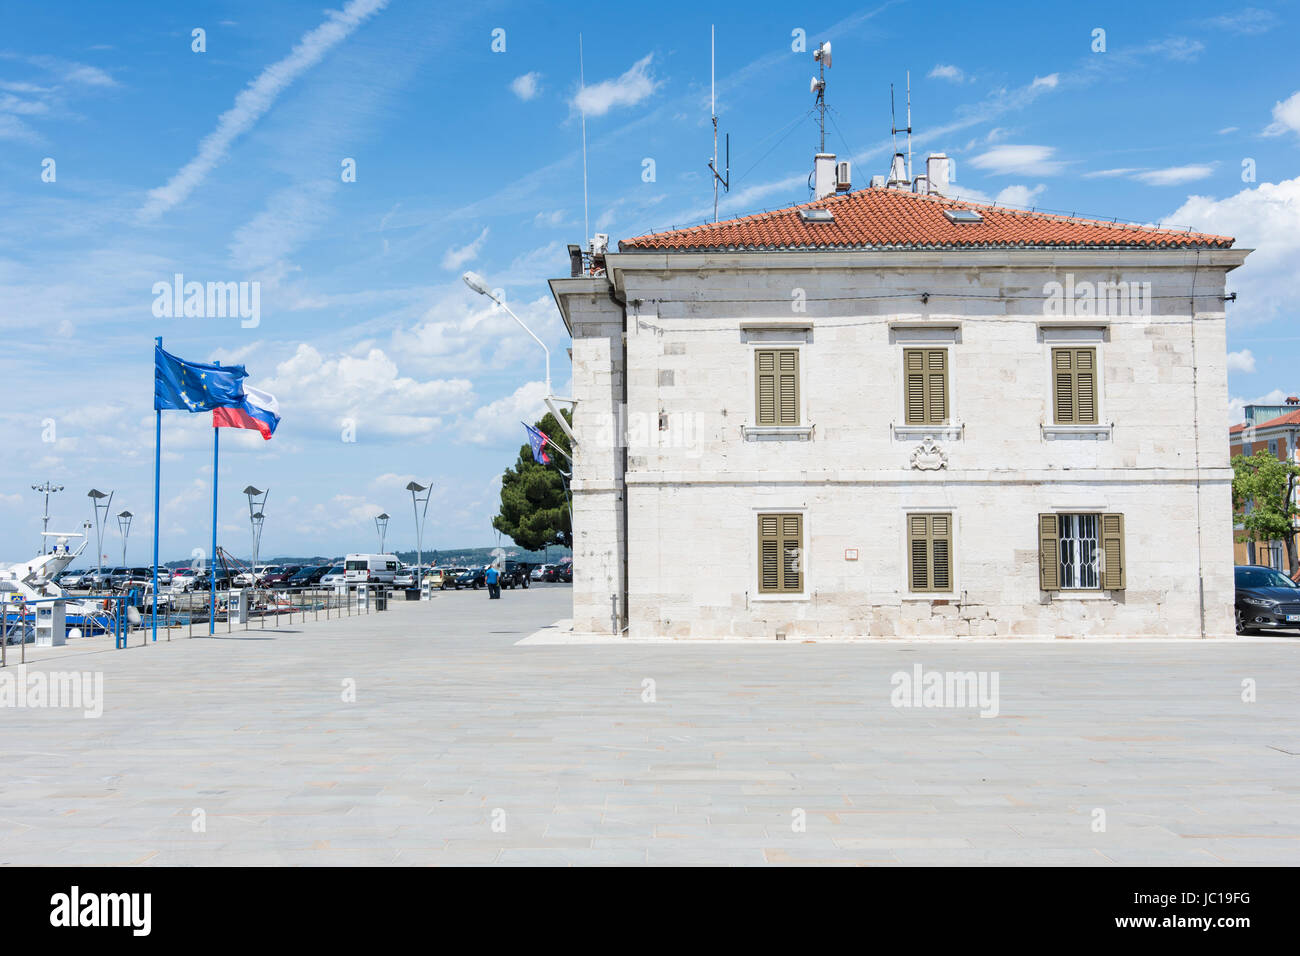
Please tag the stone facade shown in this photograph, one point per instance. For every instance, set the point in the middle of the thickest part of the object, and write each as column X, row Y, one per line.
column 671, row 471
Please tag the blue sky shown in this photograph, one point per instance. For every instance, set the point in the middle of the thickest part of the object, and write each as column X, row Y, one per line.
column 225, row 166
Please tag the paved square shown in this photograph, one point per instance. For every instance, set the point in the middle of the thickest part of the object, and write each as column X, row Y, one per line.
column 463, row 747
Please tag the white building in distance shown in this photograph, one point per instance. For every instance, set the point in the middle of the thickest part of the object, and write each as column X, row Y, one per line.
column 885, row 413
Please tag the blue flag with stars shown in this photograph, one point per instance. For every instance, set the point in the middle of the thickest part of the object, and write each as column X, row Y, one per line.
column 193, row 386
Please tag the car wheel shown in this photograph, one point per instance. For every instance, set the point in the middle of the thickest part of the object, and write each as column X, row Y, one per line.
column 1241, row 626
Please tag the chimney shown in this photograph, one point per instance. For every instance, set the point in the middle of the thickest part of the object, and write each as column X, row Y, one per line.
column 921, row 185
column 937, row 169
column 824, row 175
column 897, row 172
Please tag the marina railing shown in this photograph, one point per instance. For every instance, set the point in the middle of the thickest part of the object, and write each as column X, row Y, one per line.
column 187, row 613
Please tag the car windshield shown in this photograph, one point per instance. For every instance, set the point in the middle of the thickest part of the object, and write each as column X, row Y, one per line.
column 1263, row 578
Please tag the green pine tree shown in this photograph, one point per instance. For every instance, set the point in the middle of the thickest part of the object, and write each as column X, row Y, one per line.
column 534, row 501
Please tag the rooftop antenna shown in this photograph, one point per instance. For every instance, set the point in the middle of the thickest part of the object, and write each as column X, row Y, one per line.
column 582, row 85
column 909, row 126
column 713, row 108
column 818, row 85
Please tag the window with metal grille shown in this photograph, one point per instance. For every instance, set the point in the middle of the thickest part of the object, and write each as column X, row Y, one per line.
column 1080, row 555
column 780, row 554
column 776, row 386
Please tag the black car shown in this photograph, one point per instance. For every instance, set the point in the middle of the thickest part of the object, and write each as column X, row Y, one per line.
column 308, row 577
column 473, row 578
column 515, row 575
column 1266, row 600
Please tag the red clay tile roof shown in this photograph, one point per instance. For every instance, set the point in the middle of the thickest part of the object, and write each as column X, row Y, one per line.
column 891, row 218
column 1290, row 418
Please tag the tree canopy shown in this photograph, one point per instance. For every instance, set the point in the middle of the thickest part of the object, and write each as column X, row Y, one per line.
column 534, row 504
column 1263, row 500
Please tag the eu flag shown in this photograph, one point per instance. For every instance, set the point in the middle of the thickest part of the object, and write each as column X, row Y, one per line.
column 537, row 440
column 193, row 386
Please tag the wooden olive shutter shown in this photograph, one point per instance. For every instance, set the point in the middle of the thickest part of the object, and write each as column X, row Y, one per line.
column 918, row 551
column 1112, row 552
column 1063, row 385
column 788, row 386
column 791, row 552
column 940, row 552
column 925, row 386
column 936, row 387
column 914, row 385
column 1049, row 553
column 765, row 385
column 769, row 554
column 1085, row 386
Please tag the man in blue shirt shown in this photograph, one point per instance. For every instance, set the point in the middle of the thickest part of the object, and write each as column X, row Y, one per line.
column 493, row 582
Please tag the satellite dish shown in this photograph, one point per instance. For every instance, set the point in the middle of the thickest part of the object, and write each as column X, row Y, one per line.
column 814, row 85
column 826, row 53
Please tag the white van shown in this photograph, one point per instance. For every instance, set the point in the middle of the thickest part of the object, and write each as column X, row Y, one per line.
column 370, row 568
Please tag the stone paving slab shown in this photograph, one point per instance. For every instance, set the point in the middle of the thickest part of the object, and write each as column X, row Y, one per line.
column 442, row 733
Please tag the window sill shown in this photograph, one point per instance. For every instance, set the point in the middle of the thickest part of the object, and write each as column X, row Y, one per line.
column 937, row 432
column 1080, row 594
column 775, row 598
column 1077, row 432
column 777, row 432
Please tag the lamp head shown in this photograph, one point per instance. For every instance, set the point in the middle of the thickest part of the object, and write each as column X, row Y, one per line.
column 477, row 283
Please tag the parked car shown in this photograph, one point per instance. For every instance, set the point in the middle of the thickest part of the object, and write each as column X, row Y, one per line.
column 474, row 578
column 183, row 579
column 450, row 576
column 100, row 579
column 435, row 577
column 333, row 576
column 566, row 572
column 1266, row 600
column 539, row 572
column 278, row 577
column 126, row 578
column 405, row 578
column 71, row 579
column 515, row 575
column 308, row 577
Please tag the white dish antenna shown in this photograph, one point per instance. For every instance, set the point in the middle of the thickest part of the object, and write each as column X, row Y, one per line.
column 815, row 85
column 823, row 53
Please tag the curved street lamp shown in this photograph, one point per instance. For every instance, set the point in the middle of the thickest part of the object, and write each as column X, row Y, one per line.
column 381, row 525
column 124, row 526
column 98, row 501
column 415, row 488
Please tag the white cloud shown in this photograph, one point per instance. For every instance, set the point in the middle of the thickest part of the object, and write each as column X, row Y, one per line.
column 1019, row 195
column 1248, row 22
column 256, row 98
column 495, row 423
column 946, row 71
column 1265, row 218
column 526, row 87
column 1237, row 406
column 1227, row 129
column 1029, row 160
column 1048, row 82
column 1110, row 173
column 627, row 90
column 1243, row 361
column 457, row 256
column 1174, row 175
column 1286, row 116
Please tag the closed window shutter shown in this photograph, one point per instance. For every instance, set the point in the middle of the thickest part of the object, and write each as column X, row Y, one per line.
column 1085, row 386
column 1063, row 385
column 765, row 378
column 914, row 385
column 1112, row 552
column 788, row 386
column 780, row 553
column 941, row 560
column 936, row 392
column 918, row 549
column 1049, row 553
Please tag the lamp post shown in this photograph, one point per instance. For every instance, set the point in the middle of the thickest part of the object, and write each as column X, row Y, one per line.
column 479, row 285
column 381, row 525
column 415, row 488
column 124, row 526
column 47, row 489
column 98, row 501
column 256, row 517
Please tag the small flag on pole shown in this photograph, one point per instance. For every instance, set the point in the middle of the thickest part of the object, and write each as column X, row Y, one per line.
column 194, row 386
column 537, row 441
column 259, row 411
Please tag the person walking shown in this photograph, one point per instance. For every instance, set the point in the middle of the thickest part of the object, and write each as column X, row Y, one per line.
column 493, row 582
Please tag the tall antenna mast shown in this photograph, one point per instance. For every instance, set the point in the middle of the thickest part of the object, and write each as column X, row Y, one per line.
column 713, row 109
column 582, row 85
column 818, row 85
column 909, row 126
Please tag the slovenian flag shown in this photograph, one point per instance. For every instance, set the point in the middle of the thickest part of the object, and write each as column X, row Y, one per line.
column 259, row 410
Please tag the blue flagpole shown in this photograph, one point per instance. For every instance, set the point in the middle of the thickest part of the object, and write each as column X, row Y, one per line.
column 157, row 477
column 212, row 603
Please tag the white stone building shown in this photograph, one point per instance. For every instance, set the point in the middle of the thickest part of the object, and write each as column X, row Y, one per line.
column 891, row 414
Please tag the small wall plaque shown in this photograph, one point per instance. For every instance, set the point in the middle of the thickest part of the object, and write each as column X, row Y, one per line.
column 850, row 554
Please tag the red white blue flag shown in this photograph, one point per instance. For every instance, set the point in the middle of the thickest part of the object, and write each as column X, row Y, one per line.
column 537, row 442
column 259, row 411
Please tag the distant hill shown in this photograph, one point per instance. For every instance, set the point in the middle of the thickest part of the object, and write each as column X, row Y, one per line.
column 442, row 557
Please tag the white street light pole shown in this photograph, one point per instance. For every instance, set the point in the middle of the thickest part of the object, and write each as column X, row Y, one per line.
column 47, row 488
column 97, row 501
column 381, row 525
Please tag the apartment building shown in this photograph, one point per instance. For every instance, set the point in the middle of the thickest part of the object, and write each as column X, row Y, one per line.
column 886, row 413
column 1274, row 429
